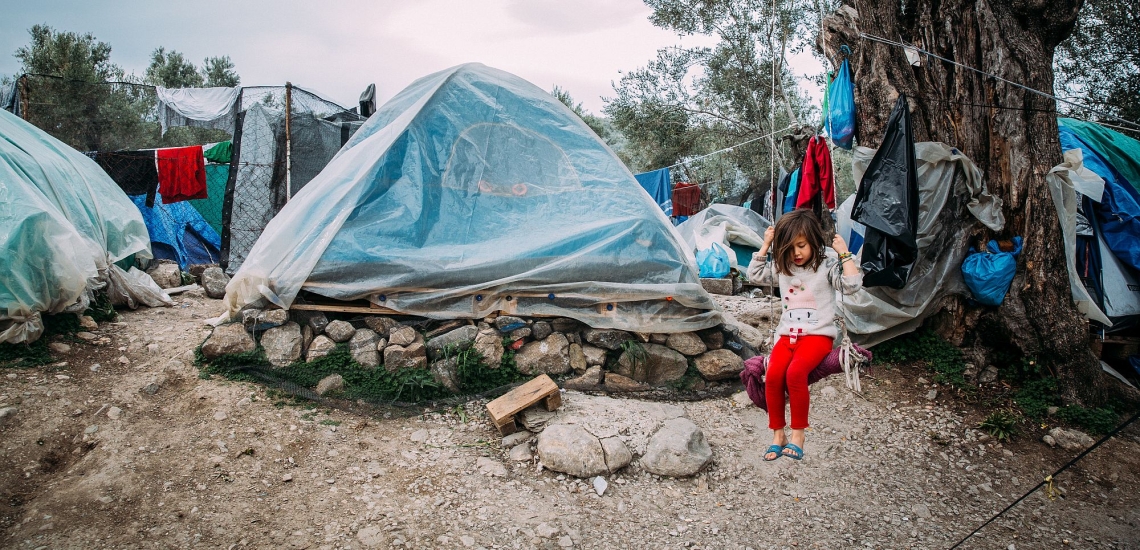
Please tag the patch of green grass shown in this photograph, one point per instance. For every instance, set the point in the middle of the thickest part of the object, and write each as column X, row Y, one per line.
column 101, row 309
column 23, row 356
column 329, row 422
column 1035, row 397
column 686, row 381
column 1097, row 420
column 929, row 349
column 1001, row 424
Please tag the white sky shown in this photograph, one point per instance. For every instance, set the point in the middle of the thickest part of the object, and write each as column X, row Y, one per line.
column 338, row 47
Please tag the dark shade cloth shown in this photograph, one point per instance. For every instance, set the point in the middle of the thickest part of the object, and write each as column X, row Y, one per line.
column 181, row 174
column 887, row 203
column 220, row 153
column 134, row 171
column 816, row 177
column 686, row 199
column 754, row 368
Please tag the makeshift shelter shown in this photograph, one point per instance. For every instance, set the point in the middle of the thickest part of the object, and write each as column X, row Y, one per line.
column 950, row 190
column 63, row 223
column 473, row 191
column 179, row 232
column 734, row 227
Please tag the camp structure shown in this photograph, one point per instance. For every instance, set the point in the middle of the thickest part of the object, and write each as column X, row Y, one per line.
column 735, row 228
column 470, row 192
column 63, row 224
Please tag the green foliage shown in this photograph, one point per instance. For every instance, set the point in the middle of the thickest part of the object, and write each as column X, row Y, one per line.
column 684, row 383
column 1096, row 420
column 926, row 347
column 172, row 70
column 1000, row 424
column 101, row 309
column 635, row 351
column 22, row 356
column 219, row 72
column 1099, row 64
column 1035, row 397
column 475, row 377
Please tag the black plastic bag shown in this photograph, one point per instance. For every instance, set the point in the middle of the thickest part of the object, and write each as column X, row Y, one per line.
column 887, row 203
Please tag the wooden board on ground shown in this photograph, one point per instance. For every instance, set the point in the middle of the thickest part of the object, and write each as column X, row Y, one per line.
column 504, row 409
column 344, row 308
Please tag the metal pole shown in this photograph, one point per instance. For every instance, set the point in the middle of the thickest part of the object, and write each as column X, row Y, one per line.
column 288, row 141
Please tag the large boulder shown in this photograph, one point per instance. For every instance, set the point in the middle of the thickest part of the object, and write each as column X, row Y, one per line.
column 321, row 346
column 570, row 449
column 549, row 356
column 1071, row 440
column 657, row 365
column 607, row 338
column 401, row 335
column 720, row 364
column 227, row 340
column 214, row 282
column 340, row 331
column 594, row 355
column 413, row 356
column 282, row 344
column 686, row 343
column 452, row 342
column 446, row 373
column 270, row 318
column 381, row 325
column 577, row 358
column 362, row 345
column 330, row 383
column 541, row 329
column 489, row 344
column 591, row 380
column 508, row 323
column 678, row 449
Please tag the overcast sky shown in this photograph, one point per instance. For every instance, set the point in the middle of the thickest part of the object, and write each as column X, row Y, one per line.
column 338, row 47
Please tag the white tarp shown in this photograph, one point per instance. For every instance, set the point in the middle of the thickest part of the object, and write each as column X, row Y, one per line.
column 197, row 107
column 724, row 224
column 1065, row 181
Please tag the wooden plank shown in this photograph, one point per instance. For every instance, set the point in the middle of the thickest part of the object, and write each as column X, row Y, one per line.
column 511, row 403
column 344, row 309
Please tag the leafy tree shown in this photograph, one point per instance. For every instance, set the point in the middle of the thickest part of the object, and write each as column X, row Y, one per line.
column 75, row 93
column 219, row 71
column 172, row 70
column 1100, row 62
column 691, row 101
column 601, row 126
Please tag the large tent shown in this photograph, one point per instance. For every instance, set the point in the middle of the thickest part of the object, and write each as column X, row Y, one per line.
column 62, row 223
column 474, row 191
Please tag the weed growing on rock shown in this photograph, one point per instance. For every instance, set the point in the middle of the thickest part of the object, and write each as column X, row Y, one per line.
column 1001, row 424
column 101, row 309
column 690, row 377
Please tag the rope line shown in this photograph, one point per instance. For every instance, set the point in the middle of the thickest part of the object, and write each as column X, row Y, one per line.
column 889, row 42
column 731, row 147
column 1049, row 479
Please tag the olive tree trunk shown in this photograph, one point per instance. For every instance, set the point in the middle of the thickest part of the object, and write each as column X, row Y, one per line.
column 1010, row 133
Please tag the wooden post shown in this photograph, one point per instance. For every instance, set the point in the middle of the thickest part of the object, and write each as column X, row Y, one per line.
column 288, row 141
column 23, row 91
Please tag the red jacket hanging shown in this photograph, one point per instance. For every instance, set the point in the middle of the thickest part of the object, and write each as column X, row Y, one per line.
column 816, row 176
column 686, row 199
column 181, row 174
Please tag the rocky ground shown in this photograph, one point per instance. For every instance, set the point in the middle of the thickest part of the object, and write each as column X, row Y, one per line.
column 121, row 445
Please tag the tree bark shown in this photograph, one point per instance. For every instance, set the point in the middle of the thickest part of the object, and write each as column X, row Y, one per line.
column 1010, row 133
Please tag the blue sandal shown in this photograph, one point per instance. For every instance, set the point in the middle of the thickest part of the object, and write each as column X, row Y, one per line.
column 773, row 449
column 793, row 451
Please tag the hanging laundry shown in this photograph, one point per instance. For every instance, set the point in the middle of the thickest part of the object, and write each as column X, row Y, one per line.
column 134, row 171
column 790, row 190
column 656, row 183
column 220, row 152
column 686, row 199
column 181, row 174
column 887, row 203
column 817, row 180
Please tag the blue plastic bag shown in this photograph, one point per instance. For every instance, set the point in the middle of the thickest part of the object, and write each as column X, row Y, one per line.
column 988, row 274
column 841, row 108
column 713, row 262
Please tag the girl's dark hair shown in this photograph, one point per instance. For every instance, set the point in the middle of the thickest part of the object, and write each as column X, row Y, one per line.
column 791, row 225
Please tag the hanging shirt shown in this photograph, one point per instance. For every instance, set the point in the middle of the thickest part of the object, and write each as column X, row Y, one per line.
column 181, row 174
column 686, row 199
column 816, row 175
column 134, row 171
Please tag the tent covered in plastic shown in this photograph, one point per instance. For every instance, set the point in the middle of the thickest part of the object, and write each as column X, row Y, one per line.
column 735, row 228
column 473, row 191
column 63, row 222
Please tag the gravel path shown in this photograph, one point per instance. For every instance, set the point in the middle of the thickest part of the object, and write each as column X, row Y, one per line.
column 91, row 460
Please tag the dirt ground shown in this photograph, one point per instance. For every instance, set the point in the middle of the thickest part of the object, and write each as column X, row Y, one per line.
column 139, row 452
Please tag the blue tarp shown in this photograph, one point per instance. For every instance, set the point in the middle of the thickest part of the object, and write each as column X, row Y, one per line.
column 659, row 187
column 1119, row 209
column 474, row 191
column 178, row 232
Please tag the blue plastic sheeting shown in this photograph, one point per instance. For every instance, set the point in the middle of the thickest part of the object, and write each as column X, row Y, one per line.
column 179, row 232
column 473, row 191
column 62, row 223
column 658, row 185
column 1118, row 209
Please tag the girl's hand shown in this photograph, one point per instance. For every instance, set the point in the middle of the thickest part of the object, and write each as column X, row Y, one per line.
column 839, row 245
column 769, row 236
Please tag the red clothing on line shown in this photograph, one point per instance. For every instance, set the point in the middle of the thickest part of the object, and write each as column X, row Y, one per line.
column 788, row 367
column 181, row 174
column 816, row 175
column 686, row 199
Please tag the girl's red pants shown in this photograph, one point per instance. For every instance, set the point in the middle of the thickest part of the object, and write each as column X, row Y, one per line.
column 788, row 368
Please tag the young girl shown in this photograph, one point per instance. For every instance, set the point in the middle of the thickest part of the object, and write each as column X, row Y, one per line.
column 809, row 275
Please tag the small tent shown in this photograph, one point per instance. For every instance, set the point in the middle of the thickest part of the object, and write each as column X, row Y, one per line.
column 63, row 222
column 473, row 191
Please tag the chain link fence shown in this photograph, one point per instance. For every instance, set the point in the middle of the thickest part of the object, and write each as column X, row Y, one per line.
column 282, row 137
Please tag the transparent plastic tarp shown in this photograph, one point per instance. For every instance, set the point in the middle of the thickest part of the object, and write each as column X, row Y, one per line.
column 474, row 191
column 1065, row 181
column 62, row 221
column 950, row 188
column 724, row 224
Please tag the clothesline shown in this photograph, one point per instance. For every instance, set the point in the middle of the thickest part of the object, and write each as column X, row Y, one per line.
column 729, row 148
column 1134, row 125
